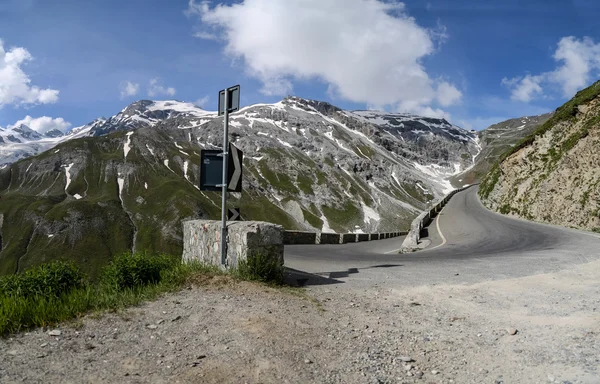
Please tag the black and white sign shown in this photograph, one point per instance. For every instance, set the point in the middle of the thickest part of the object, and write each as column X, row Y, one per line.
column 233, row 214
column 234, row 167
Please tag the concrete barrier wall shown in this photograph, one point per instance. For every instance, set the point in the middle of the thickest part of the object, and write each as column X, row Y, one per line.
column 362, row 237
column 423, row 220
column 202, row 241
column 347, row 238
column 304, row 237
column 299, row 237
column 328, row 238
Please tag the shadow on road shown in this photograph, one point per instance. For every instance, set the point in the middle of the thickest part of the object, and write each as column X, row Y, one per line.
column 301, row 279
column 297, row 278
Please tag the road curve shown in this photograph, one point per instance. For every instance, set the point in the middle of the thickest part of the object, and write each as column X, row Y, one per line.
column 480, row 245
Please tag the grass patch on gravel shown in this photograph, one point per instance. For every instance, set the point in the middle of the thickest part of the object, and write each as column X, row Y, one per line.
column 55, row 292
column 51, row 293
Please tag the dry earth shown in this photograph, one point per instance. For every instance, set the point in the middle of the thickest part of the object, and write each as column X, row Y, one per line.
column 232, row 332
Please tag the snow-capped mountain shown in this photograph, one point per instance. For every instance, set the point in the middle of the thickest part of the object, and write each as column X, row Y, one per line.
column 132, row 178
column 22, row 142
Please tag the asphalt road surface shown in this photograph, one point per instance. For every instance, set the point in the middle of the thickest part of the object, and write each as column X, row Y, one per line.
column 468, row 244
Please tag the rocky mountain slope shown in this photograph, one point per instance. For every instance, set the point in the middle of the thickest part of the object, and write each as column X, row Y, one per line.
column 126, row 182
column 553, row 175
column 496, row 140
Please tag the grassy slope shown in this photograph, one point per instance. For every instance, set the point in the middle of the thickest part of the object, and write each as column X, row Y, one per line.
column 567, row 112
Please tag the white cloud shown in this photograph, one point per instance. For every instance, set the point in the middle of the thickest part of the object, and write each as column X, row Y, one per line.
column 447, row 94
column 202, row 101
column 369, row 52
column 206, row 35
column 128, row 88
column 43, row 124
column 524, row 88
column 156, row 89
column 578, row 60
column 15, row 85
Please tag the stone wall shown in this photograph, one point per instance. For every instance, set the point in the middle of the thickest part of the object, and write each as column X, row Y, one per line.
column 202, row 241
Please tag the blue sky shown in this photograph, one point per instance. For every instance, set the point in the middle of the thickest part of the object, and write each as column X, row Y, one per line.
column 475, row 62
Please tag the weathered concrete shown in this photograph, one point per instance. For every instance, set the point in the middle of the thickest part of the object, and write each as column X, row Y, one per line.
column 374, row 236
column 328, row 238
column 202, row 241
column 347, row 238
column 299, row 237
column 362, row 237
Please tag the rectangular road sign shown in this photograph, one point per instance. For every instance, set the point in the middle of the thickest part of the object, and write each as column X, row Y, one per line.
column 211, row 169
column 233, row 99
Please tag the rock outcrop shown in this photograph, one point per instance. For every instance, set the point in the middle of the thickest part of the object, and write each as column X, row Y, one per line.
column 553, row 176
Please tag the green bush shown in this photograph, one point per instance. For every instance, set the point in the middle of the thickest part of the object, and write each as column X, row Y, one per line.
column 137, row 269
column 259, row 267
column 47, row 280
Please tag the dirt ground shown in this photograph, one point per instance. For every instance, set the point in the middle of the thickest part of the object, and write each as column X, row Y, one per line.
column 536, row 329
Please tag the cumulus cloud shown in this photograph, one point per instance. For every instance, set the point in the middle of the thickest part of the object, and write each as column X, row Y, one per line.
column 43, row 124
column 15, row 84
column 202, row 101
column 577, row 61
column 447, row 94
column 156, row 88
column 524, row 88
column 127, row 89
column 369, row 52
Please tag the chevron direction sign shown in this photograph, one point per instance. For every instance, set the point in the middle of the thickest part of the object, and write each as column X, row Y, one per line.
column 235, row 160
column 233, row 214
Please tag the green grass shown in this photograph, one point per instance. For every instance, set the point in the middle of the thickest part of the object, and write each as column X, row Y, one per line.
column 344, row 218
column 259, row 267
column 312, row 219
column 52, row 293
column 277, row 180
column 305, row 184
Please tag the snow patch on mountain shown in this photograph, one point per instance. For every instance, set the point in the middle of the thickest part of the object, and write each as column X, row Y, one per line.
column 127, row 145
column 150, row 150
column 68, row 175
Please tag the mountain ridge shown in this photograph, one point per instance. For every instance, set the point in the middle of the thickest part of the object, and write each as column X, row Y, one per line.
column 125, row 182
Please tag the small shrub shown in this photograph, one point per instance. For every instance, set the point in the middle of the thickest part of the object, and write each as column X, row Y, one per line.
column 259, row 267
column 597, row 229
column 137, row 269
column 48, row 280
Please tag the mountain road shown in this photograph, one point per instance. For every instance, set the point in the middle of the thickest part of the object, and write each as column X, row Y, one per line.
column 469, row 243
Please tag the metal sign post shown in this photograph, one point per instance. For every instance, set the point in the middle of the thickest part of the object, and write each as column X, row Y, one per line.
column 229, row 101
column 224, row 184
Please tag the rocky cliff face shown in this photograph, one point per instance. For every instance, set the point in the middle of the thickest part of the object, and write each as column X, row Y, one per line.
column 126, row 182
column 554, row 175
